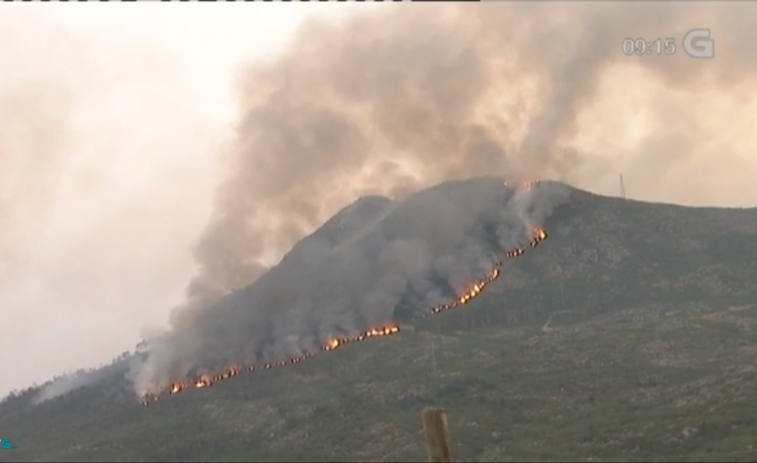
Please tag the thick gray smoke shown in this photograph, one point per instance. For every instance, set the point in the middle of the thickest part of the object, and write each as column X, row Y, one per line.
column 374, row 263
column 68, row 383
column 386, row 104
column 64, row 384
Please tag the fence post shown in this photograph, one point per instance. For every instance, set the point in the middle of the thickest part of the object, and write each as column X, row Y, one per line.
column 437, row 435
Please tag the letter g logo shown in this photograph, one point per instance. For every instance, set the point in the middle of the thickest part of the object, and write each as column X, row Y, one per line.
column 698, row 44
column 5, row 443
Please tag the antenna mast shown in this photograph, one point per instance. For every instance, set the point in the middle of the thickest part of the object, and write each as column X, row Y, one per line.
column 433, row 357
column 622, row 187
column 433, row 347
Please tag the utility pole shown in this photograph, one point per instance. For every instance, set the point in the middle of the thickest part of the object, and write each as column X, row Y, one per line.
column 436, row 431
column 433, row 359
column 622, row 187
column 433, row 352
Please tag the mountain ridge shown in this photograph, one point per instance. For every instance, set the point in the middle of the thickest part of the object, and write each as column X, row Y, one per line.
column 340, row 283
column 607, row 263
column 577, row 197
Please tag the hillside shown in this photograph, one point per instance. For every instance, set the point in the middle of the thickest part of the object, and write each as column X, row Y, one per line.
column 626, row 335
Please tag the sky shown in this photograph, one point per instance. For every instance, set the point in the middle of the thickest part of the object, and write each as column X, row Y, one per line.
column 117, row 122
column 111, row 118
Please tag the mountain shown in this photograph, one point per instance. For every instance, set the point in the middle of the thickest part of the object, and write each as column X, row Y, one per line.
column 625, row 335
column 373, row 265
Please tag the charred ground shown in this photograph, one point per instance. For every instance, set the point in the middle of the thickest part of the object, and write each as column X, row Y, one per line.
column 627, row 334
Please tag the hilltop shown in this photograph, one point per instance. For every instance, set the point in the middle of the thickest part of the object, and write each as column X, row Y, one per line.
column 627, row 334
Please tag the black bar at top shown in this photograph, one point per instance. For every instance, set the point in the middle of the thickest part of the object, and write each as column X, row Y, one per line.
column 363, row 1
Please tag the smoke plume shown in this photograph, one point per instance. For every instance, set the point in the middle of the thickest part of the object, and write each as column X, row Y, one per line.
column 388, row 103
column 88, row 253
column 373, row 264
column 65, row 384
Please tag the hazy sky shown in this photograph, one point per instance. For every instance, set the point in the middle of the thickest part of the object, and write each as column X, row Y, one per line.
column 114, row 118
column 109, row 122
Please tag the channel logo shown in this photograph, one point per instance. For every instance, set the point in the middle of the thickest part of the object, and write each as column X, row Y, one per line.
column 6, row 444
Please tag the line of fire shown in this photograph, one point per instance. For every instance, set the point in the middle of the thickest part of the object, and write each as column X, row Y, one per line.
column 204, row 381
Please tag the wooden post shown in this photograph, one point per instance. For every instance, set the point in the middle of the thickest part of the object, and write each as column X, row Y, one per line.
column 437, row 435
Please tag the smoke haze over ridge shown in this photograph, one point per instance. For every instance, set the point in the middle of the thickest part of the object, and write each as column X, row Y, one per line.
column 373, row 264
column 389, row 102
column 392, row 102
column 407, row 97
column 109, row 126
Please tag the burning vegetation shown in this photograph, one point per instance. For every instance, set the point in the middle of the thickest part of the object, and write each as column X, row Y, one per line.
column 207, row 380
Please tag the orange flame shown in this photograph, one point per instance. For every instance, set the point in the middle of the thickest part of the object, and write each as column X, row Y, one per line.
column 204, row 381
column 539, row 236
